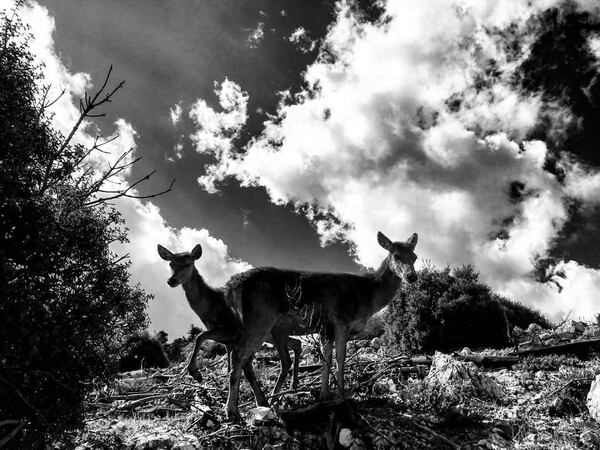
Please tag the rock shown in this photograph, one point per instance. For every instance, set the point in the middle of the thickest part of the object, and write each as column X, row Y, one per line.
column 567, row 335
column 377, row 343
column 534, row 328
column 517, row 332
column 452, row 376
column 260, row 414
column 346, row 439
column 546, row 336
column 593, row 399
column 466, row 351
column 384, row 386
column 162, row 438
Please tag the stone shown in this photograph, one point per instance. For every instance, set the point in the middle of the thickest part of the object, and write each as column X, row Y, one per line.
column 567, row 335
column 593, row 399
column 346, row 439
column 384, row 386
column 377, row 343
column 260, row 414
column 452, row 375
column 466, row 351
column 534, row 328
column 518, row 332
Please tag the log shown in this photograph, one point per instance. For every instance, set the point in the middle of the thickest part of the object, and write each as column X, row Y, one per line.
column 581, row 349
column 486, row 361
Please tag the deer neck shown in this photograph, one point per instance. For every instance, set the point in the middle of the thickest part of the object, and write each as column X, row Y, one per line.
column 199, row 295
column 387, row 284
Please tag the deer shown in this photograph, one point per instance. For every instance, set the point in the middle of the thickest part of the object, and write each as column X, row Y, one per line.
column 223, row 324
column 287, row 302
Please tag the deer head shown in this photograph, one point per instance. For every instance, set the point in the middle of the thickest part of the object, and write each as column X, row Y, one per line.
column 182, row 264
column 402, row 257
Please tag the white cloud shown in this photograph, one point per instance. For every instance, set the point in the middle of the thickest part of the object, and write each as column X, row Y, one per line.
column 416, row 126
column 300, row 37
column 147, row 228
column 256, row 35
column 175, row 113
column 216, row 132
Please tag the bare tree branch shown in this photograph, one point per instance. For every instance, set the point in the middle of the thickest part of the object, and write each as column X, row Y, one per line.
column 86, row 105
column 18, row 427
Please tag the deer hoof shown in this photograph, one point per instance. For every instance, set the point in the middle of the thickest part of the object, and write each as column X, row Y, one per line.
column 196, row 376
column 234, row 416
column 326, row 396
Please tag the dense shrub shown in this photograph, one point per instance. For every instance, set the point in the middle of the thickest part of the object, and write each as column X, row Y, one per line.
column 141, row 352
column 375, row 328
column 449, row 309
column 66, row 304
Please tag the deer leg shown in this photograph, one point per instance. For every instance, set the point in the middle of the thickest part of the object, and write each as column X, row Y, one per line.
column 280, row 339
column 233, row 413
column 259, row 395
column 340, row 353
column 216, row 334
column 296, row 347
column 326, row 348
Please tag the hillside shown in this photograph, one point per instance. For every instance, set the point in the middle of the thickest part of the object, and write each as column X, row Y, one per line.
column 396, row 402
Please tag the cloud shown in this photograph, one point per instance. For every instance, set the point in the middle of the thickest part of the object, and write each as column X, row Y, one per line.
column 301, row 39
column 175, row 114
column 415, row 124
column 256, row 35
column 216, row 132
column 147, row 228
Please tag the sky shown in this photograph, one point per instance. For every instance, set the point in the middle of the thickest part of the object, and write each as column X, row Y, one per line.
column 296, row 130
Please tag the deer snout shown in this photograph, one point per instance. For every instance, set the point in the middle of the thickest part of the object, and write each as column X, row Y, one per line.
column 172, row 282
column 411, row 277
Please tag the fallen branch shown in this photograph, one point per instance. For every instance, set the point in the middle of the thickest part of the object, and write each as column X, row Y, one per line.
column 566, row 385
column 436, row 435
column 18, row 427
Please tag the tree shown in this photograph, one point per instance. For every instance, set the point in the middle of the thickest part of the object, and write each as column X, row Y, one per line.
column 66, row 303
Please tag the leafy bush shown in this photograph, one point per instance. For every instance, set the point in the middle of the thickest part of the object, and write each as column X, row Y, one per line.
column 448, row 309
column 141, row 352
column 66, row 302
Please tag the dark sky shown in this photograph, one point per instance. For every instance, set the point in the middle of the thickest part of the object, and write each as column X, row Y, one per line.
column 173, row 51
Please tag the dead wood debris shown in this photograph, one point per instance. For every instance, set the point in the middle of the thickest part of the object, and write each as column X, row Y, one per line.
column 390, row 405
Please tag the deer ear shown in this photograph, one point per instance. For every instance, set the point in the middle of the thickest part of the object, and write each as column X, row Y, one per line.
column 384, row 241
column 197, row 252
column 412, row 240
column 164, row 253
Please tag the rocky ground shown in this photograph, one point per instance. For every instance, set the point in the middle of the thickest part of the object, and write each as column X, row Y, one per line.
column 446, row 401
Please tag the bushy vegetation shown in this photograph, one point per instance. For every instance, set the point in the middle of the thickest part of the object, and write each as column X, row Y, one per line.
column 142, row 351
column 66, row 303
column 449, row 309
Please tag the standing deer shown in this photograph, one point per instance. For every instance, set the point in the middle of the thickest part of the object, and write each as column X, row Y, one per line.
column 334, row 305
column 222, row 323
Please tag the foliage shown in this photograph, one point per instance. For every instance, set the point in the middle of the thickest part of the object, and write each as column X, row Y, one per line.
column 67, row 305
column 449, row 309
column 175, row 350
column 375, row 328
column 142, row 351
